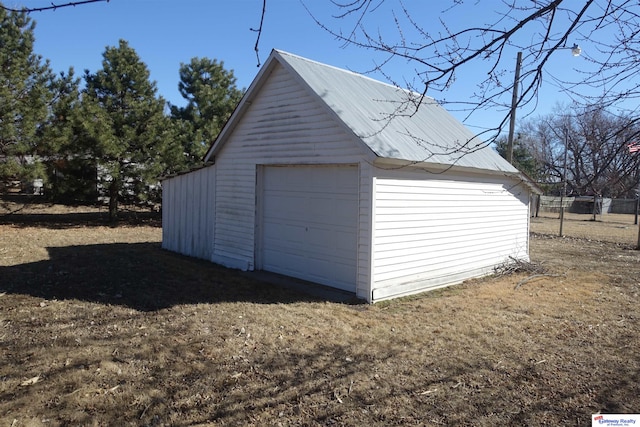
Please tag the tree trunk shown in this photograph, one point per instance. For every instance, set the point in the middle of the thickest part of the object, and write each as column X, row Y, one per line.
column 114, row 191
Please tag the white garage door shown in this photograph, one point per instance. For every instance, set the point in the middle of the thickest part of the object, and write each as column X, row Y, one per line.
column 309, row 223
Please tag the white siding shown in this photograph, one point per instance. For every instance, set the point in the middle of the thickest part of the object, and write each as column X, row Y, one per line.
column 365, row 228
column 431, row 230
column 284, row 125
column 188, row 213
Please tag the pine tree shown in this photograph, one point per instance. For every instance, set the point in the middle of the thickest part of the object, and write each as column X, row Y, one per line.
column 211, row 95
column 123, row 126
column 71, row 169
column 25, row 97
column 522, row 158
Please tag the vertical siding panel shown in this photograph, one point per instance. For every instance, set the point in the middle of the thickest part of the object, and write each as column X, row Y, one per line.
column 194, row 206
column 195, row 202
column 184, row 223
column 205, row 208
column 210, row 209
column 200, row 227
column 187, row 213
column 169, row 204
column 216, row 195
column 189, row 202
column 177, row 203
column 188, row 209
column 177, row 211
column 166, row 214
column 169, row 217
column 174, row 219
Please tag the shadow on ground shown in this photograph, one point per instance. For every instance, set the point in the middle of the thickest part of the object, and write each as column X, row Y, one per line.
column 81, row 219
column 145, row 277
column 34, row 211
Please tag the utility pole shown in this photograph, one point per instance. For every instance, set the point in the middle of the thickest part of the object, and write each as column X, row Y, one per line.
column 514, row 104
column 564, row 179
column 575, row 51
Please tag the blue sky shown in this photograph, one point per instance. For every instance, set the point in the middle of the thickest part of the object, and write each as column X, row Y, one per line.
column 167, row 32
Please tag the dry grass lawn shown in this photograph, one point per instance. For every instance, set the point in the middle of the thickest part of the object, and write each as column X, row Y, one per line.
column 100, row 326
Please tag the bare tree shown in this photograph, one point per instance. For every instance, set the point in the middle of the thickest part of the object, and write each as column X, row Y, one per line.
column 606, row 29
column 596, row 141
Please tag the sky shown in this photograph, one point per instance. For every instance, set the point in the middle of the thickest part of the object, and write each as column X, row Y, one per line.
column 166, row 33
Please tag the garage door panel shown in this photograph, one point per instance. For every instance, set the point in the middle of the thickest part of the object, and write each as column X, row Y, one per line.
column 324, row 209
column 309, row 223
column 283, row 262
column 276, row 229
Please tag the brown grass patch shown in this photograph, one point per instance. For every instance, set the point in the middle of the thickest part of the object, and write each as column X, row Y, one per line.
column 615, row 228
column 100, row 326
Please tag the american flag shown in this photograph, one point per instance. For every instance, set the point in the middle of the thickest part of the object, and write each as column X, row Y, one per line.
column 634, row 147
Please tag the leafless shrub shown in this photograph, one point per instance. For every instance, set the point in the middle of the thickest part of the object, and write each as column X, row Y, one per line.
column 514, row 265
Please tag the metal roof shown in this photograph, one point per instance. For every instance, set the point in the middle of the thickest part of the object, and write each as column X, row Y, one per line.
column 395, row 123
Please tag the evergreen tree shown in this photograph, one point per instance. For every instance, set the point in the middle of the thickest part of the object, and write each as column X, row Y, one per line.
column 25, row 97
column 211, row 95
column 70, row 168
column 123, row 127
column 522, row 158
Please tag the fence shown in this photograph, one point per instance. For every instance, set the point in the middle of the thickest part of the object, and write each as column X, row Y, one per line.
column 585, row 205
column 615, row 227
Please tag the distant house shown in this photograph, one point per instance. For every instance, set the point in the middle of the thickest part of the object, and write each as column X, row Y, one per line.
column 323, row 175
column 16, row 184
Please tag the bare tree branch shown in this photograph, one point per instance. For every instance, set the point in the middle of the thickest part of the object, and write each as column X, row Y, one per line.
column 52, row 7
column 609, row 29
column 259, row 31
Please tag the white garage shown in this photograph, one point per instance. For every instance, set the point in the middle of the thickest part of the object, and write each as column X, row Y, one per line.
column 317, row 176
column 308, row 223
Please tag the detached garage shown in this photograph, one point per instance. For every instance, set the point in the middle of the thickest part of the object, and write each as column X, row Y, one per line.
column 331, row 177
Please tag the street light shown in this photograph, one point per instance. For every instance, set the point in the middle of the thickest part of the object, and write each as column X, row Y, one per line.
column 575, row 51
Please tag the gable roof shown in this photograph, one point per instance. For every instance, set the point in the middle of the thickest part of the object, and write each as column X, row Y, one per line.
column 382, row 116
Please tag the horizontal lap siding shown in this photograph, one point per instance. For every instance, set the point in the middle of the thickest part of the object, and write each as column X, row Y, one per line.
column 283, row 125
column 188, row 213
column 432, row 231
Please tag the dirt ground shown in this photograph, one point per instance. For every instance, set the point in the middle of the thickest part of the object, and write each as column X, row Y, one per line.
column 100, row 326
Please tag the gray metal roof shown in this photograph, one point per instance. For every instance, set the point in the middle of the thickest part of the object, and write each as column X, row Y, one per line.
column 386, row 119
